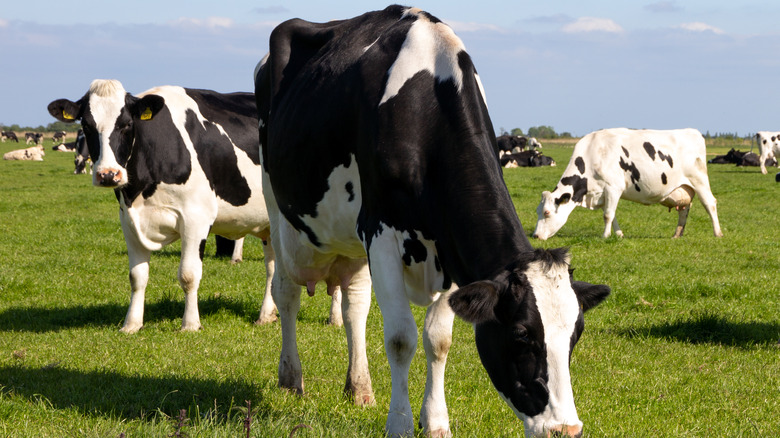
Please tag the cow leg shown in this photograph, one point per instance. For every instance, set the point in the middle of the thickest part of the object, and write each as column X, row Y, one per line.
column 139, row 277
column 190, row 273
column 336, row 304
column 287, row 296
column 702, row 188
column 400, row 331
column 610, row 219
column 355, row 305
column 437, row 338
column 238, row 251
column 268, row 308
column 682, row 218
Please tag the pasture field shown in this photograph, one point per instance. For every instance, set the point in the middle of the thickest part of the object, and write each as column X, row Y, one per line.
column 687, row 345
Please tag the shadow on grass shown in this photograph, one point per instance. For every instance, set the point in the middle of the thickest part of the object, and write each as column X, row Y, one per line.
column 38, row 319
column 712, row 329
column 114, row 395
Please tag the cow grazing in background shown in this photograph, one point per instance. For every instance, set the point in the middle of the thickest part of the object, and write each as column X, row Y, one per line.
column 34, row 153
column 33, row 137
column 517, row 143
column 529, row 158
column 769, row 147
column 645, row 166
column 59, row 136
column 182, row 163
column 9, row 135
column 358, row 173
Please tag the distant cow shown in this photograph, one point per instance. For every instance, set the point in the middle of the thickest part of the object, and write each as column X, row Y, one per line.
column 530, row 158
column 33, row 137
column 378, row 149
column 516, row 143
column 9, row 135
column 59, row 136
column 81, row 160
column 769, row 147
column 645, row 166
column 182, row 163
column 741, row 159
column 34, row 153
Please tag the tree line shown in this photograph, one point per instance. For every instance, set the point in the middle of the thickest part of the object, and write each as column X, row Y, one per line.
column 51, row 127
column 548, row 132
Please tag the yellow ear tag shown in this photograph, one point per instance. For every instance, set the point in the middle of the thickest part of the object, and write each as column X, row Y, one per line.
column 147, row 114
column 67, row 115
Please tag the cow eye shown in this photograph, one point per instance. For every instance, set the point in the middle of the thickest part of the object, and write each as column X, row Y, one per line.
column 520, row 334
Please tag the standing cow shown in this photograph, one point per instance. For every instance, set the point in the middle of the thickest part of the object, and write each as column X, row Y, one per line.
column 9, row 135
column 359, row 172
column 182, row 163
column 645, row 166
column 769, row 147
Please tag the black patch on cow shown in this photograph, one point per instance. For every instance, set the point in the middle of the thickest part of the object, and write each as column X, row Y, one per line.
column 236, row 113
column 159, row 155
column 631, row 168
column 580, row 163
column 218, row 160
column 663, row 178
column 667, row 158
column 625, row 151
column 579, row 185
column 351, row 191
column 414, row 250
column 649, row 149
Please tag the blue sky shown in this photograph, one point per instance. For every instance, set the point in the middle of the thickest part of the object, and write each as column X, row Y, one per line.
column 577, row 66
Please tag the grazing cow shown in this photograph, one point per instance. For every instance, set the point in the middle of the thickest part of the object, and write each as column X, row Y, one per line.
column 59, row 136
column 529, row 158
column 33, row 137
column 182, row 163
column 33, row 153
column 359, row 173
column 517, row 143
column 769, row 146
column 645, row 166
column 9, row 135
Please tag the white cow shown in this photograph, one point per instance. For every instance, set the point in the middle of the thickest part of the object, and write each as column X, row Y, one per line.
column 645, row 166
column 34, row 153
column 769, row 147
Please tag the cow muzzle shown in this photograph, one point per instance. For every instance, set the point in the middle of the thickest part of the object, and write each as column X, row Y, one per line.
column 108, row 178
column 564, row 431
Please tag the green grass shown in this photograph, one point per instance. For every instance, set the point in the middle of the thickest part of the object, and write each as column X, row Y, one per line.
column 686, row 345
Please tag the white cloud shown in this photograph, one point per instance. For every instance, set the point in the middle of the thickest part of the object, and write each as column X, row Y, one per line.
column 592, row 24
column 700, row 27
column 209, row 23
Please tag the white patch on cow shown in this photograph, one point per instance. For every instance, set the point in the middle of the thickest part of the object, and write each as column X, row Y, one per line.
column 559, row 310
column 106, row 100
column 422, row 280
column 431, row 47
column 481, row 89
column 334, row 222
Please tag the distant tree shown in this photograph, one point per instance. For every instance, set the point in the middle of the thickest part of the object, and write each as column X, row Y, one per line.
column 565, row 135
column 542, row 132
column 517, row 131
column 61, row 126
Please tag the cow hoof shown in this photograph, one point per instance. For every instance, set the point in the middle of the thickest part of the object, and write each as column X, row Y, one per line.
column 190, row 327
column 130, row 329
column 336, row 322
column 439, row 433
column 266, row 319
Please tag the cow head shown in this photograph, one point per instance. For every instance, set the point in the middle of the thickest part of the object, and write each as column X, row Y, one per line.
column 552, row 213
column 526, row 322
column 108, row 115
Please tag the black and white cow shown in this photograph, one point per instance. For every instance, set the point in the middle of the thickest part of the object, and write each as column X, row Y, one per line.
column 182, row 163
column 9, row 135
column 379, row 151
column 517, row 143
column 33, row 137
column 81, row 160
column 529, row 158
column 645, row 166
column 769, row 147
column 59, row 136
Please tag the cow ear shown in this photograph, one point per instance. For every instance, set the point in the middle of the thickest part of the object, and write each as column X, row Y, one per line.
column 590, row 295
column 147, row 107
column 64, row 110
column 475, row 302
column 566, row 197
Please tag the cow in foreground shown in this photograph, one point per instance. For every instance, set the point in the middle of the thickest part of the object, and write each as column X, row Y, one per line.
column 645, row 166
column 769, row 147
column 183, row 163
column 409, row 198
